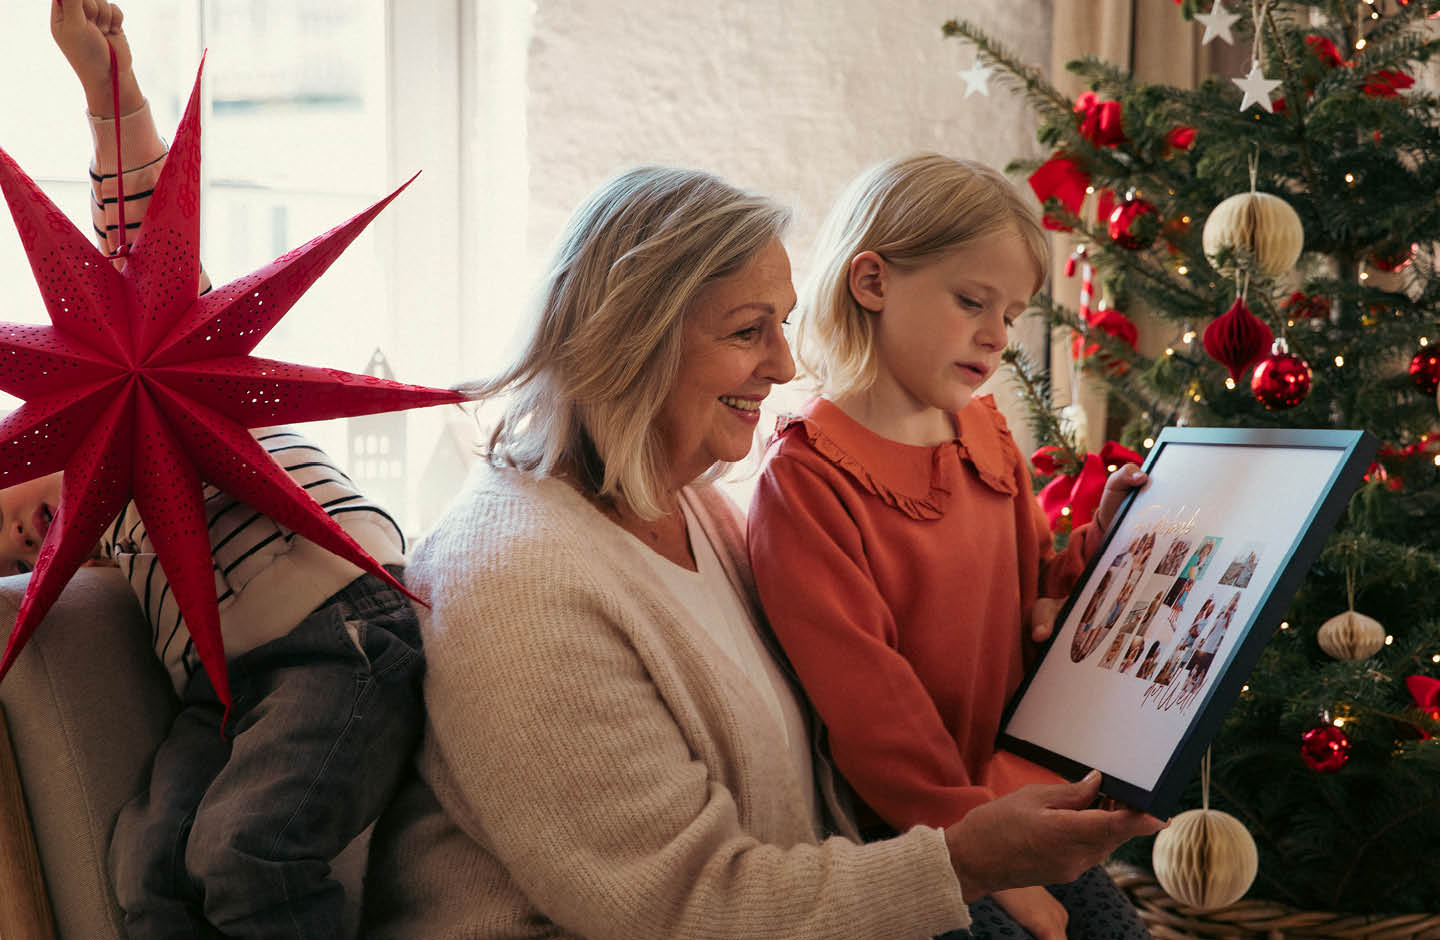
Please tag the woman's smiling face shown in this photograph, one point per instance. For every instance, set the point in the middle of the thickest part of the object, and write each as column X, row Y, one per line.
column 735, row 350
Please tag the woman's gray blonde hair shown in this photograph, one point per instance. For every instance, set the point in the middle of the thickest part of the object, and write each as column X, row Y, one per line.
column 910, row 211
column 605, row 345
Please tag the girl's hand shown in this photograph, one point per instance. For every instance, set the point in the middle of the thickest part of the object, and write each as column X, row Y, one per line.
column 1117, row 487
column 1042, row 617
column 85, row 30
column 1036, row 910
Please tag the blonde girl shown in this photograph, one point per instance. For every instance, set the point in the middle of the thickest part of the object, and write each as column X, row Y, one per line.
column 898, row 548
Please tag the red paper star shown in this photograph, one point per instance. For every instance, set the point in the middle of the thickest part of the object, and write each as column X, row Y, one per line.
column 141, row 390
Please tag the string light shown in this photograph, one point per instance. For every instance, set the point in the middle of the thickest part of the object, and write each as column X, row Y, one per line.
column 1230, row 383
column 1169, row 350
column 1435, row 658
column 1182, row 270
column 1245, row 688
column 1360, row 44
column 1350, row 178
column 1339, row 362
column 1150, row 442
column 1339, row 722
column 1364, row 275
column 1065, row 511
column 1284, row 625
column 1189, row 337
column 1389, row 640
column 1424, row 341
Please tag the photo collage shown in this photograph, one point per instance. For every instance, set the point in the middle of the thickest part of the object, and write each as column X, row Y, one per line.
column 1160, row 611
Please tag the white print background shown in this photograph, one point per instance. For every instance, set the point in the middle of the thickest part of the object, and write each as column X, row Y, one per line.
column 1244, row 495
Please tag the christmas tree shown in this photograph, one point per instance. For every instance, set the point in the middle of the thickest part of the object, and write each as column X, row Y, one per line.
column 1282, row 224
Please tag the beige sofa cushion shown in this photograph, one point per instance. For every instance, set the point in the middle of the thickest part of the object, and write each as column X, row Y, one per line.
column 86, row 702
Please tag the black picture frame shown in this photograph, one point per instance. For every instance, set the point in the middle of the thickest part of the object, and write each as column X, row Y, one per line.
column 1265, row 502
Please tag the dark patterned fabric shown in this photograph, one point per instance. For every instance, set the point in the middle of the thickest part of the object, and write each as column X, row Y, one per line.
column 1098, row 911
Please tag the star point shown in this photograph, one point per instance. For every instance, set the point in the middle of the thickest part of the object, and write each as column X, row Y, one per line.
column 977, row 78
column 1217, row 23
column 1257, row 89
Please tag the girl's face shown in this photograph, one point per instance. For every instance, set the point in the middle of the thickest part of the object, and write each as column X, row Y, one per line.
column 26, row 511
column 942, row 326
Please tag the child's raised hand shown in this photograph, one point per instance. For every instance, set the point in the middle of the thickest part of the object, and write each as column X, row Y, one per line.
column 1117, row 487
column 85, row 30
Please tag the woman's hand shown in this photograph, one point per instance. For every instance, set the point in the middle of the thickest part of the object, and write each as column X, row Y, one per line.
column 1042, row 617
column 1036, row 910
column 85, row 31
column 1118, row 486
column 1039, row 835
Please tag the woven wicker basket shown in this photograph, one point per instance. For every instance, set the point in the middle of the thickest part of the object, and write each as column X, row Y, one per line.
column 1170, row 920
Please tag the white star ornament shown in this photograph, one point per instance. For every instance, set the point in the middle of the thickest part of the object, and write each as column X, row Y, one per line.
column 977, row 77
column 1257, row 89
column 1217, row 23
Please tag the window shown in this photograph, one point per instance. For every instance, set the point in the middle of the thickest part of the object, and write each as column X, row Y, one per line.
column 299, row 118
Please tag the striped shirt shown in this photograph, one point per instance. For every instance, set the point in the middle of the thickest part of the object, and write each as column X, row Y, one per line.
column 267, row 578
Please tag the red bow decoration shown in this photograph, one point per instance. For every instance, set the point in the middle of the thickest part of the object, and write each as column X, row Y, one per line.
column 1386, row 84
column 1080, row 492
column 1112, row 323
column 1326, row 51
column 1426, row 692
column 141, row 390
column 1101, row 122
column 1302, row 306
column 1181, row 137
column 1061, row 178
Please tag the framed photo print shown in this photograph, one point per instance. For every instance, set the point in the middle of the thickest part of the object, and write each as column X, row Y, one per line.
column 1154, row 644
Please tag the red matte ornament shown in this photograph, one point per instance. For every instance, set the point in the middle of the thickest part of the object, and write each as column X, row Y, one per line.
column 141, row 390
column 1281, row 380
column 1325, row 749
column 1237, row 338
column 1425, row 369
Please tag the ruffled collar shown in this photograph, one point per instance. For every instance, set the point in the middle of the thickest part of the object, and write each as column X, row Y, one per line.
column 916, row 480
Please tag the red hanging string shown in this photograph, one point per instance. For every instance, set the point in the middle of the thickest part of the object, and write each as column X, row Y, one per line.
column 124, row 248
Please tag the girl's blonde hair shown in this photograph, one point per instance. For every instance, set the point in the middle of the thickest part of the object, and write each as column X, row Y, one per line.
column 910, row 211
column 605, row 346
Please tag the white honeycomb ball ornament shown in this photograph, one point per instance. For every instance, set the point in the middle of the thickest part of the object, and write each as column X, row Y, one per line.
column 1351, row 636
column 1205, row 859
column 1260, row 225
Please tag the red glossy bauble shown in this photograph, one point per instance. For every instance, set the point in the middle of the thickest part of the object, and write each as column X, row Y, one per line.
column 1281, row 380
column 1325, row 749
column 1133, row 224
column 1425, row 369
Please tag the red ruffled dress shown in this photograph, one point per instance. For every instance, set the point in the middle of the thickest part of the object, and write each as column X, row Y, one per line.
column 900, row 581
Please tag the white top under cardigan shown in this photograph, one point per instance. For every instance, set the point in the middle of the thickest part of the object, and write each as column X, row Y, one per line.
column 591, row 769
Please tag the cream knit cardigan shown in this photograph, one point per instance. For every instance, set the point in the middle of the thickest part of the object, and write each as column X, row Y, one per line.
column 594, row 767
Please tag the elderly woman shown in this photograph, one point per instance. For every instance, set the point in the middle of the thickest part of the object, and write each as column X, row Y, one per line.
column 615, row 746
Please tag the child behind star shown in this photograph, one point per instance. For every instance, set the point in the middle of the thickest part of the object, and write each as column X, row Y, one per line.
column 236, row 830
column 901, row 502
